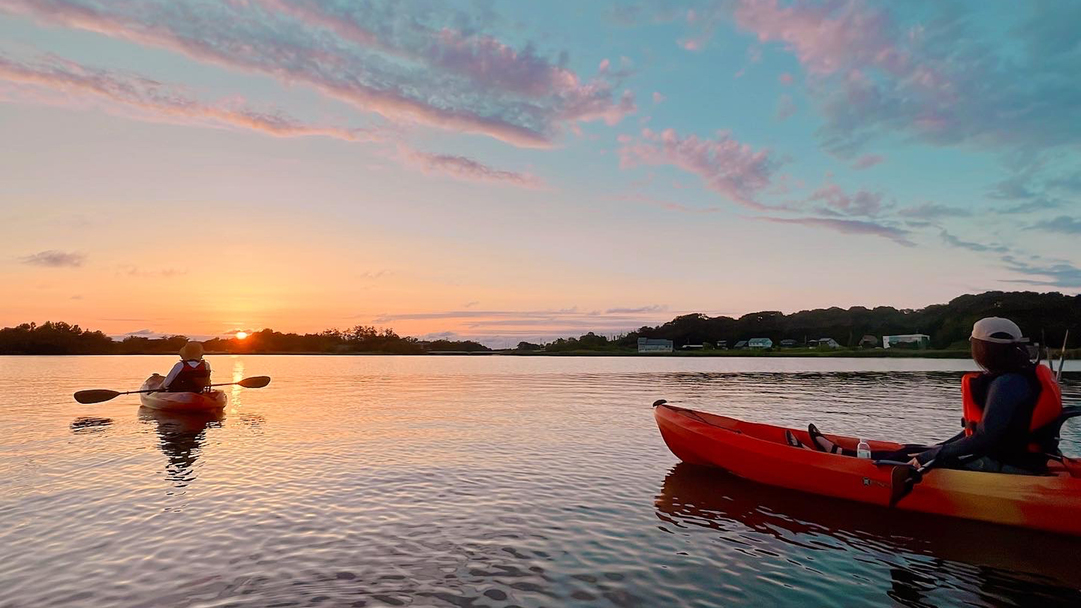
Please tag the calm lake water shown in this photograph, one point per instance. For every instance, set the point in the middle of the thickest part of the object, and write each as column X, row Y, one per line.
column 479, row 481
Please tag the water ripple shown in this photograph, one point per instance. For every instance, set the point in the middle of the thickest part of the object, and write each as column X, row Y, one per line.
column 478, row 481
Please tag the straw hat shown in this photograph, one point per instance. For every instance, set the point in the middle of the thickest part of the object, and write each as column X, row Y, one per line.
column 192, row 351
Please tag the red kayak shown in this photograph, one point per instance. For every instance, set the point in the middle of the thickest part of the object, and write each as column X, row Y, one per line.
column 760, row 452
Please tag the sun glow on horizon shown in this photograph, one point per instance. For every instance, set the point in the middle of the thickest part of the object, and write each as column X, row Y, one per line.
column 240, row 335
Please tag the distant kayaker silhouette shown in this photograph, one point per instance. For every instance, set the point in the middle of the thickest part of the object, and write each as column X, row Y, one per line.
column 191, row 374
column 1011, row 411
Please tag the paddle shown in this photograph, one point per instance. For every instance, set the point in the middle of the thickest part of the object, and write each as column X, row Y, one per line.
column 99, row 395
column 903, row 477
column 1062, row 357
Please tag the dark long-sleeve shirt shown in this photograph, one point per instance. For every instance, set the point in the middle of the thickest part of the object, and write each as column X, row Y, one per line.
column 1003, row 431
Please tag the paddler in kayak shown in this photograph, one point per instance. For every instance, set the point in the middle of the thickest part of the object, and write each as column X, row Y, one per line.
column 191, row 374
column 1010, row 410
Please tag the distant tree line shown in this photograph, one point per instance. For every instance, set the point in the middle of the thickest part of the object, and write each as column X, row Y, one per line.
column 63, row 339
column 53, row 339
column 1044, row 317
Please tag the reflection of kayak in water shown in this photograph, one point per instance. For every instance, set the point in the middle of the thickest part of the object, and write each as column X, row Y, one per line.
column 760, row 452
column 181, row 436
column 209, row 401
column 697, row 497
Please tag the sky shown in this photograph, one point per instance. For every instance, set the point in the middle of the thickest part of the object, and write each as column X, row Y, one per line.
column 509, row 171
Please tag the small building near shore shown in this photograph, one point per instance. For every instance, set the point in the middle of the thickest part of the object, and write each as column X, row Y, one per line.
column 693, row 346
column 906, row 341
column 722, row 344
column 741, row 344
column 828, row 343
column 759, row 343
column 649, row 345
column 868, row 341
column 790, row 343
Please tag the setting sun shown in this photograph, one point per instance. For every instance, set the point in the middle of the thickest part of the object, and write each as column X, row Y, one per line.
column 240, row 335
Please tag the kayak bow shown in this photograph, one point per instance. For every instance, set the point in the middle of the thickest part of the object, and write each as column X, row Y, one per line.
column 759, row 452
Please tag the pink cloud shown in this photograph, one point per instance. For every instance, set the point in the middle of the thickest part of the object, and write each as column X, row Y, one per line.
column 867, row 161
column 589, row 107
column 837, row 200
column 847, row 227
column 316, row 15
column 941, row 81
column 658, row 97
column 489, row 62
column 483, row 59
column 729, row 167
column 467, row 83
column 161, row 100
column 692, row 44
column 467, row 169
column 822, row 44
column 785, row 79
column 55, row 259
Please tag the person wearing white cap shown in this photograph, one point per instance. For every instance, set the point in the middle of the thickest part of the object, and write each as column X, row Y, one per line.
column 1010, row 410
column 191, row 374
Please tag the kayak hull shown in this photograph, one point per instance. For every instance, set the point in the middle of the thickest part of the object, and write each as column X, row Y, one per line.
column 759, row 452
column 210, row 401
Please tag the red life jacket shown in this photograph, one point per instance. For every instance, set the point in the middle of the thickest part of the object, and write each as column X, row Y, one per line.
column 1046, row 411
column 191, row 379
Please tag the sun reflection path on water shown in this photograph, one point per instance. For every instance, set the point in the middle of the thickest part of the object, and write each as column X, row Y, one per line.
column 238, row 375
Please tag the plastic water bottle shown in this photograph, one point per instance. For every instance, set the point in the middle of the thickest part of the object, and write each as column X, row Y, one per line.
column 863, row 450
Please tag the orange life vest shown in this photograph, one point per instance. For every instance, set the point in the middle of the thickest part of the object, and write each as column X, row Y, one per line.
column 191, row 379
column 1046, row 411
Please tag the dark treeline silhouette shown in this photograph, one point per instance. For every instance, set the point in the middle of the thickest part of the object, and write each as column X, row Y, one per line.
column 53, row 339
column 456, row 346
column 64, row 339
column 1044, row 317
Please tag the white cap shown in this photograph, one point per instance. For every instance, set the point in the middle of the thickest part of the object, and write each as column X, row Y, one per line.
column 997, row 330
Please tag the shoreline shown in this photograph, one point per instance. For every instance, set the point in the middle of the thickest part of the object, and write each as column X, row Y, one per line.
column 745, row 354
column 950, row 354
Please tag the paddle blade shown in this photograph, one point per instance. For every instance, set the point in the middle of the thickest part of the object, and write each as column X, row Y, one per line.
column 902, row 479
column 255, row 382
column 95, row 395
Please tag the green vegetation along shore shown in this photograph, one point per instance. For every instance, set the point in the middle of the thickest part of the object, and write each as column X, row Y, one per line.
column 1045, row 317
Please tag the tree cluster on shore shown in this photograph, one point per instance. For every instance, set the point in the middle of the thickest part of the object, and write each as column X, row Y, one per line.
column 64, row 339
column 1044, row 317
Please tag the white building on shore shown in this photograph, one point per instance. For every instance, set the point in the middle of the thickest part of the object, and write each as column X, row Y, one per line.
column 647, row 345
column 907, row 341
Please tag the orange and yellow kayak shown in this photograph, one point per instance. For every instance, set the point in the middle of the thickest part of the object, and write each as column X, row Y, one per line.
column 760, row 452
column 212, row 400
